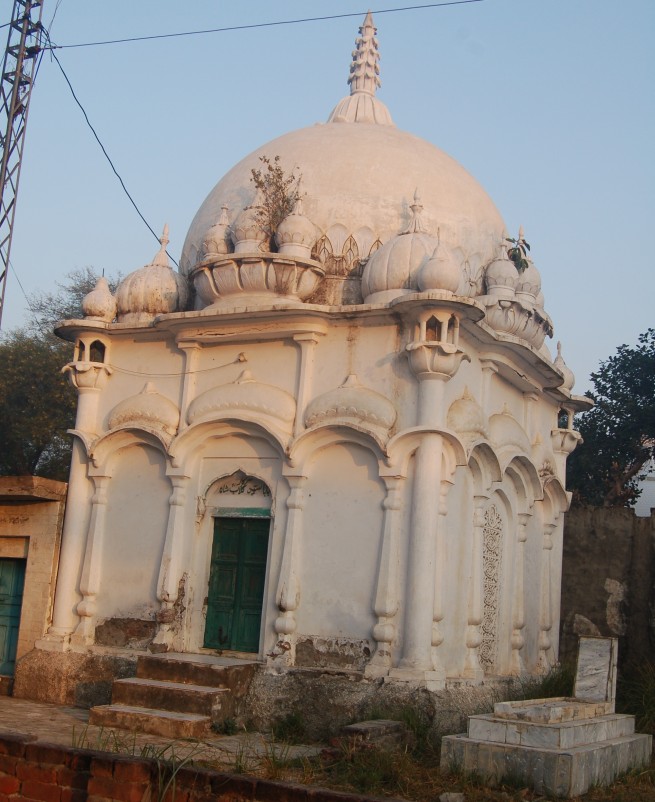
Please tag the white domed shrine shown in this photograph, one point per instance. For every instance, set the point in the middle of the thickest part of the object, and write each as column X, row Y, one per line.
column 353, row 418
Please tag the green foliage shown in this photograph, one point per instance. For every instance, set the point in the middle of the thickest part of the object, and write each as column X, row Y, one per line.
column 518, row 253
column 37, row 403
column 278, row 194
column 559, row 681
column 619, row 432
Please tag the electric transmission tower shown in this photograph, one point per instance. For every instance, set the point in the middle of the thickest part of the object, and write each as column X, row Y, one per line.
column 18, row 73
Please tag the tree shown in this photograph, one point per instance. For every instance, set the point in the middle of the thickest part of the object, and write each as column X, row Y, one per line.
column 37, row 403
column 619, row 432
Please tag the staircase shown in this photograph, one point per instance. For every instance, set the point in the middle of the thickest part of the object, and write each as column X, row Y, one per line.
column 176, row 695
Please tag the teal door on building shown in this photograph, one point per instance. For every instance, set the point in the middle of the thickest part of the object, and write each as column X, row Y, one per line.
column 236, row 584
column 12, row 580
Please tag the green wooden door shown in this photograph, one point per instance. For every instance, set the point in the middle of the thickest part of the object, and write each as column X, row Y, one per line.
column 236, row 584
column 12, row 579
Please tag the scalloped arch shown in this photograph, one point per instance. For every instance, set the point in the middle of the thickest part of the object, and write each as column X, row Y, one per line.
column 314, row 440
column 107, row 445
column 187, row 443
column 484, row 466
column 556, row 499
column 521, row 470
column 401, row 447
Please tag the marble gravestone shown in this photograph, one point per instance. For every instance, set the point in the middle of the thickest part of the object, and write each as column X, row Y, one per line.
column 595, row 677
column 559, row 746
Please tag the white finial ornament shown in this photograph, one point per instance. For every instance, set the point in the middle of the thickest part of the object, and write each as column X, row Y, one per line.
column 416, row 224
column 161, row 257
column 364, row 70
column 361, row 106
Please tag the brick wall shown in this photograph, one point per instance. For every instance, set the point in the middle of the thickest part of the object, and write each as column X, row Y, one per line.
column 52, row 773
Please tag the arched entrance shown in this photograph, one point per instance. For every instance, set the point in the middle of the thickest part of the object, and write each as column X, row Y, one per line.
column 237, row 573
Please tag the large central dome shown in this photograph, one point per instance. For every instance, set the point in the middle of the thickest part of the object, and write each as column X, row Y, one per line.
column 359, row 174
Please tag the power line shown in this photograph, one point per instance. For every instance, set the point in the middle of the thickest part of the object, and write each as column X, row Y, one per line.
column 262, row 24
column 104, row 150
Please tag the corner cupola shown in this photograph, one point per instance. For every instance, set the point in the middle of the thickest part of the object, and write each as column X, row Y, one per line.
column 155, row 289
column 393, row 269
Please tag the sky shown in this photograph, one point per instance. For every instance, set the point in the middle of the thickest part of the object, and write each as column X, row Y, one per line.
column 549, row 104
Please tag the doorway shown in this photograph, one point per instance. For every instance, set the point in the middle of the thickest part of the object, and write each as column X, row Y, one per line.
column 12, row 581
column 237, row 576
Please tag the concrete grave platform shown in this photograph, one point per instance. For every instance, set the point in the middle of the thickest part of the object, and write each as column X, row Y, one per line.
column 557, row 746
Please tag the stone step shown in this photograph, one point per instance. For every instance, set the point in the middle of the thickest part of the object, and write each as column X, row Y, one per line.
column 234, row 676
column 174, row 696
column 563, row 735
column 164, row 723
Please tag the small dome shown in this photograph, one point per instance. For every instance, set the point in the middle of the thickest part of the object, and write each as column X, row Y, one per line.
column 245, row 395
column 296, row 234
column 249, row 233
column 353, row 403
column 564, row 369
column 502, row 278
column 440, row 272
column 465, row 417
column 529, row 283
column 393, row 269
column 100, row 304
column 505, row 430
column 155, row 289
column 217, row 239
column 149, row 408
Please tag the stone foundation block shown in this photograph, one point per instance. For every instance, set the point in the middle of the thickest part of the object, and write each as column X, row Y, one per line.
column 563, row 773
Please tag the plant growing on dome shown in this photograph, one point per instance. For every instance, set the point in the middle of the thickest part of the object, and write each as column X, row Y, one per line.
column 278, row 191
column 518, row 253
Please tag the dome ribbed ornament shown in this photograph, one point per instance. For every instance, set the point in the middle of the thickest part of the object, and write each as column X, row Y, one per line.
column 362, row 106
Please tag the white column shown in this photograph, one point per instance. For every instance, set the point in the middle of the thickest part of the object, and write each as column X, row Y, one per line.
column 73, row 539
column 545, row 618
column 386, row 596
column 288, row 589
column 518, row 603
column 92, row 569
column 170, row 570
column 416, row 659
column 472, row 668
column 439, row 567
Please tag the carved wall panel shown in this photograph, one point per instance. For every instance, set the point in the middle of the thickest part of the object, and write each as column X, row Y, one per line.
column 492, row 560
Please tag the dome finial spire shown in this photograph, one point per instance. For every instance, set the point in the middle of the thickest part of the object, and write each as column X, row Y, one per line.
column 361, row 105
column 364, row 69
column 161, row 257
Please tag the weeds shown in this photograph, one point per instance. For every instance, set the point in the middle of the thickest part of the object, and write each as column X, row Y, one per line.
column 167, row 761
column 290, row 728
column 226, row 727
column 636, row 695
column 558, row 682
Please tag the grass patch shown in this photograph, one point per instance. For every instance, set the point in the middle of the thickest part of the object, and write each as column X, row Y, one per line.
column 559, row 681
column 636, row 695
column 290, row 728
